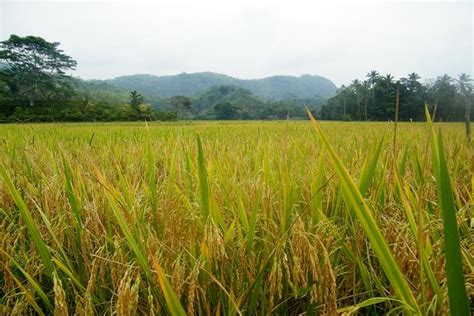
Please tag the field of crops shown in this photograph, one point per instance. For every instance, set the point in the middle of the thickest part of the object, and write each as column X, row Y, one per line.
column 236, row 218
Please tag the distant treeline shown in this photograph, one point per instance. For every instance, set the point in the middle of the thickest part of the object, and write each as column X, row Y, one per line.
column 374, row 99
column 34, row 87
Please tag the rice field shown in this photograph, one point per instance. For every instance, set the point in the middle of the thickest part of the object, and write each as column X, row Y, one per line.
column 236, row 218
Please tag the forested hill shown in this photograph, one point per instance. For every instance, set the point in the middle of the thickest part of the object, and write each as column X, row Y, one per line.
column 274, row 88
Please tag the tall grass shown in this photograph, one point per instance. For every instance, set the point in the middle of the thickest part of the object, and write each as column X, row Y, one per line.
column 235, row 218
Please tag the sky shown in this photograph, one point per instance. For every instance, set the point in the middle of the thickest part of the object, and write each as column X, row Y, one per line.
column 252, row 39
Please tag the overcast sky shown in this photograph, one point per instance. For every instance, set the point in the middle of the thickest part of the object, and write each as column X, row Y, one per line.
column 252, row 39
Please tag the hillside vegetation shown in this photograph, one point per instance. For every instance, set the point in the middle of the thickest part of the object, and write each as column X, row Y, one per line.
column 273, row 88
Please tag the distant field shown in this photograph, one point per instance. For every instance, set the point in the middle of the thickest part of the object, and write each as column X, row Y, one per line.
column 231, row 218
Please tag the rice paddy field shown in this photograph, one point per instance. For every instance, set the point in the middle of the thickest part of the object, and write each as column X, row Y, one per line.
column 236, row 218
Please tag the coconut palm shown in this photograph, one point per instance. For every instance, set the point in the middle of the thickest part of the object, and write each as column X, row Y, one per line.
column 357, row 89
column 373, row 75
column 465, row 89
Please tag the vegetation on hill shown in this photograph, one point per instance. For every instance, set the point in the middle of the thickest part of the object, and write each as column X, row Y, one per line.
column 271, row 88
column 233, row 102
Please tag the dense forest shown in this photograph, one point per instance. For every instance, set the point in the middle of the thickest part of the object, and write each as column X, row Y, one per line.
column 34, row 86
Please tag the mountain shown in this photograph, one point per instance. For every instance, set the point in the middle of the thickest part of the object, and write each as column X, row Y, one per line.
column 274, row 88
column 289, row 87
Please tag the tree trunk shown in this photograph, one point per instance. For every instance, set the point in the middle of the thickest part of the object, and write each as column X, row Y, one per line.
column 373, row 94
column 468, row 121
column 358, row 107
column 365, row 105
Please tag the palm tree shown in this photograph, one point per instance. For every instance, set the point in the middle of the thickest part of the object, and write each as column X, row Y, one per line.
column 343, row 93
column 413, row 80
column 465, row 89
column 444, row 92
column 442, row 82
column 372, row 78
column 356, row 84
column 135, row 100
column 387, row 80
column 365, row 88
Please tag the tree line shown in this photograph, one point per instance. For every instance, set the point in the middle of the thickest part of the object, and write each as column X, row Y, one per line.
column 373, row 99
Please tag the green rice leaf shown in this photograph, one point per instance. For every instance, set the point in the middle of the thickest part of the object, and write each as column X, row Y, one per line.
column 356, row 201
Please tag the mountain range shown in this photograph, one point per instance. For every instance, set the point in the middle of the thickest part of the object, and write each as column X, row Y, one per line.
column 188, row 84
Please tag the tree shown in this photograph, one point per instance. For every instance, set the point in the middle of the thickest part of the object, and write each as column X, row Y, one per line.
column 412, row 97
column 372, row 79
column 365, row 91
column 387, row 81
column 225, row 111
column 181, row 103
column 135, row 101
column 357, row 89
column 443, row 92
column 412, row 82
column 465, row 90
column 36, row 69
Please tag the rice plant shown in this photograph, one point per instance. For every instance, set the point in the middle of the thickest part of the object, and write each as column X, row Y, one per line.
column 236, row 218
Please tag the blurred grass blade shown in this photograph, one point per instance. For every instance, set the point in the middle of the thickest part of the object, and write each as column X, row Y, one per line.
column 73, row 200
column 129, row 236
column 349, row 310
column 31, row 225
column 151, row 173
column 356, row 201
column 203, row 183
column 33, row 283
column 458, row 301
column 171, row 298
column 369, row 168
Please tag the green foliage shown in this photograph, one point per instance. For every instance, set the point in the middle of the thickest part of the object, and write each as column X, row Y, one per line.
column 374, row 99
column 274, row 88
column 225, row 111
column 458, row 301
column 135, row 101
column 36, row 69
column 181, row 104
column 229, row 102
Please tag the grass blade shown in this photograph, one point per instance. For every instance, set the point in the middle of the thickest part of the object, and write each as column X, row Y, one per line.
column 31, row 225
column 458, row 301
column 32, row 281
column 356, row 201
column 171, row 298
column 203, row 183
